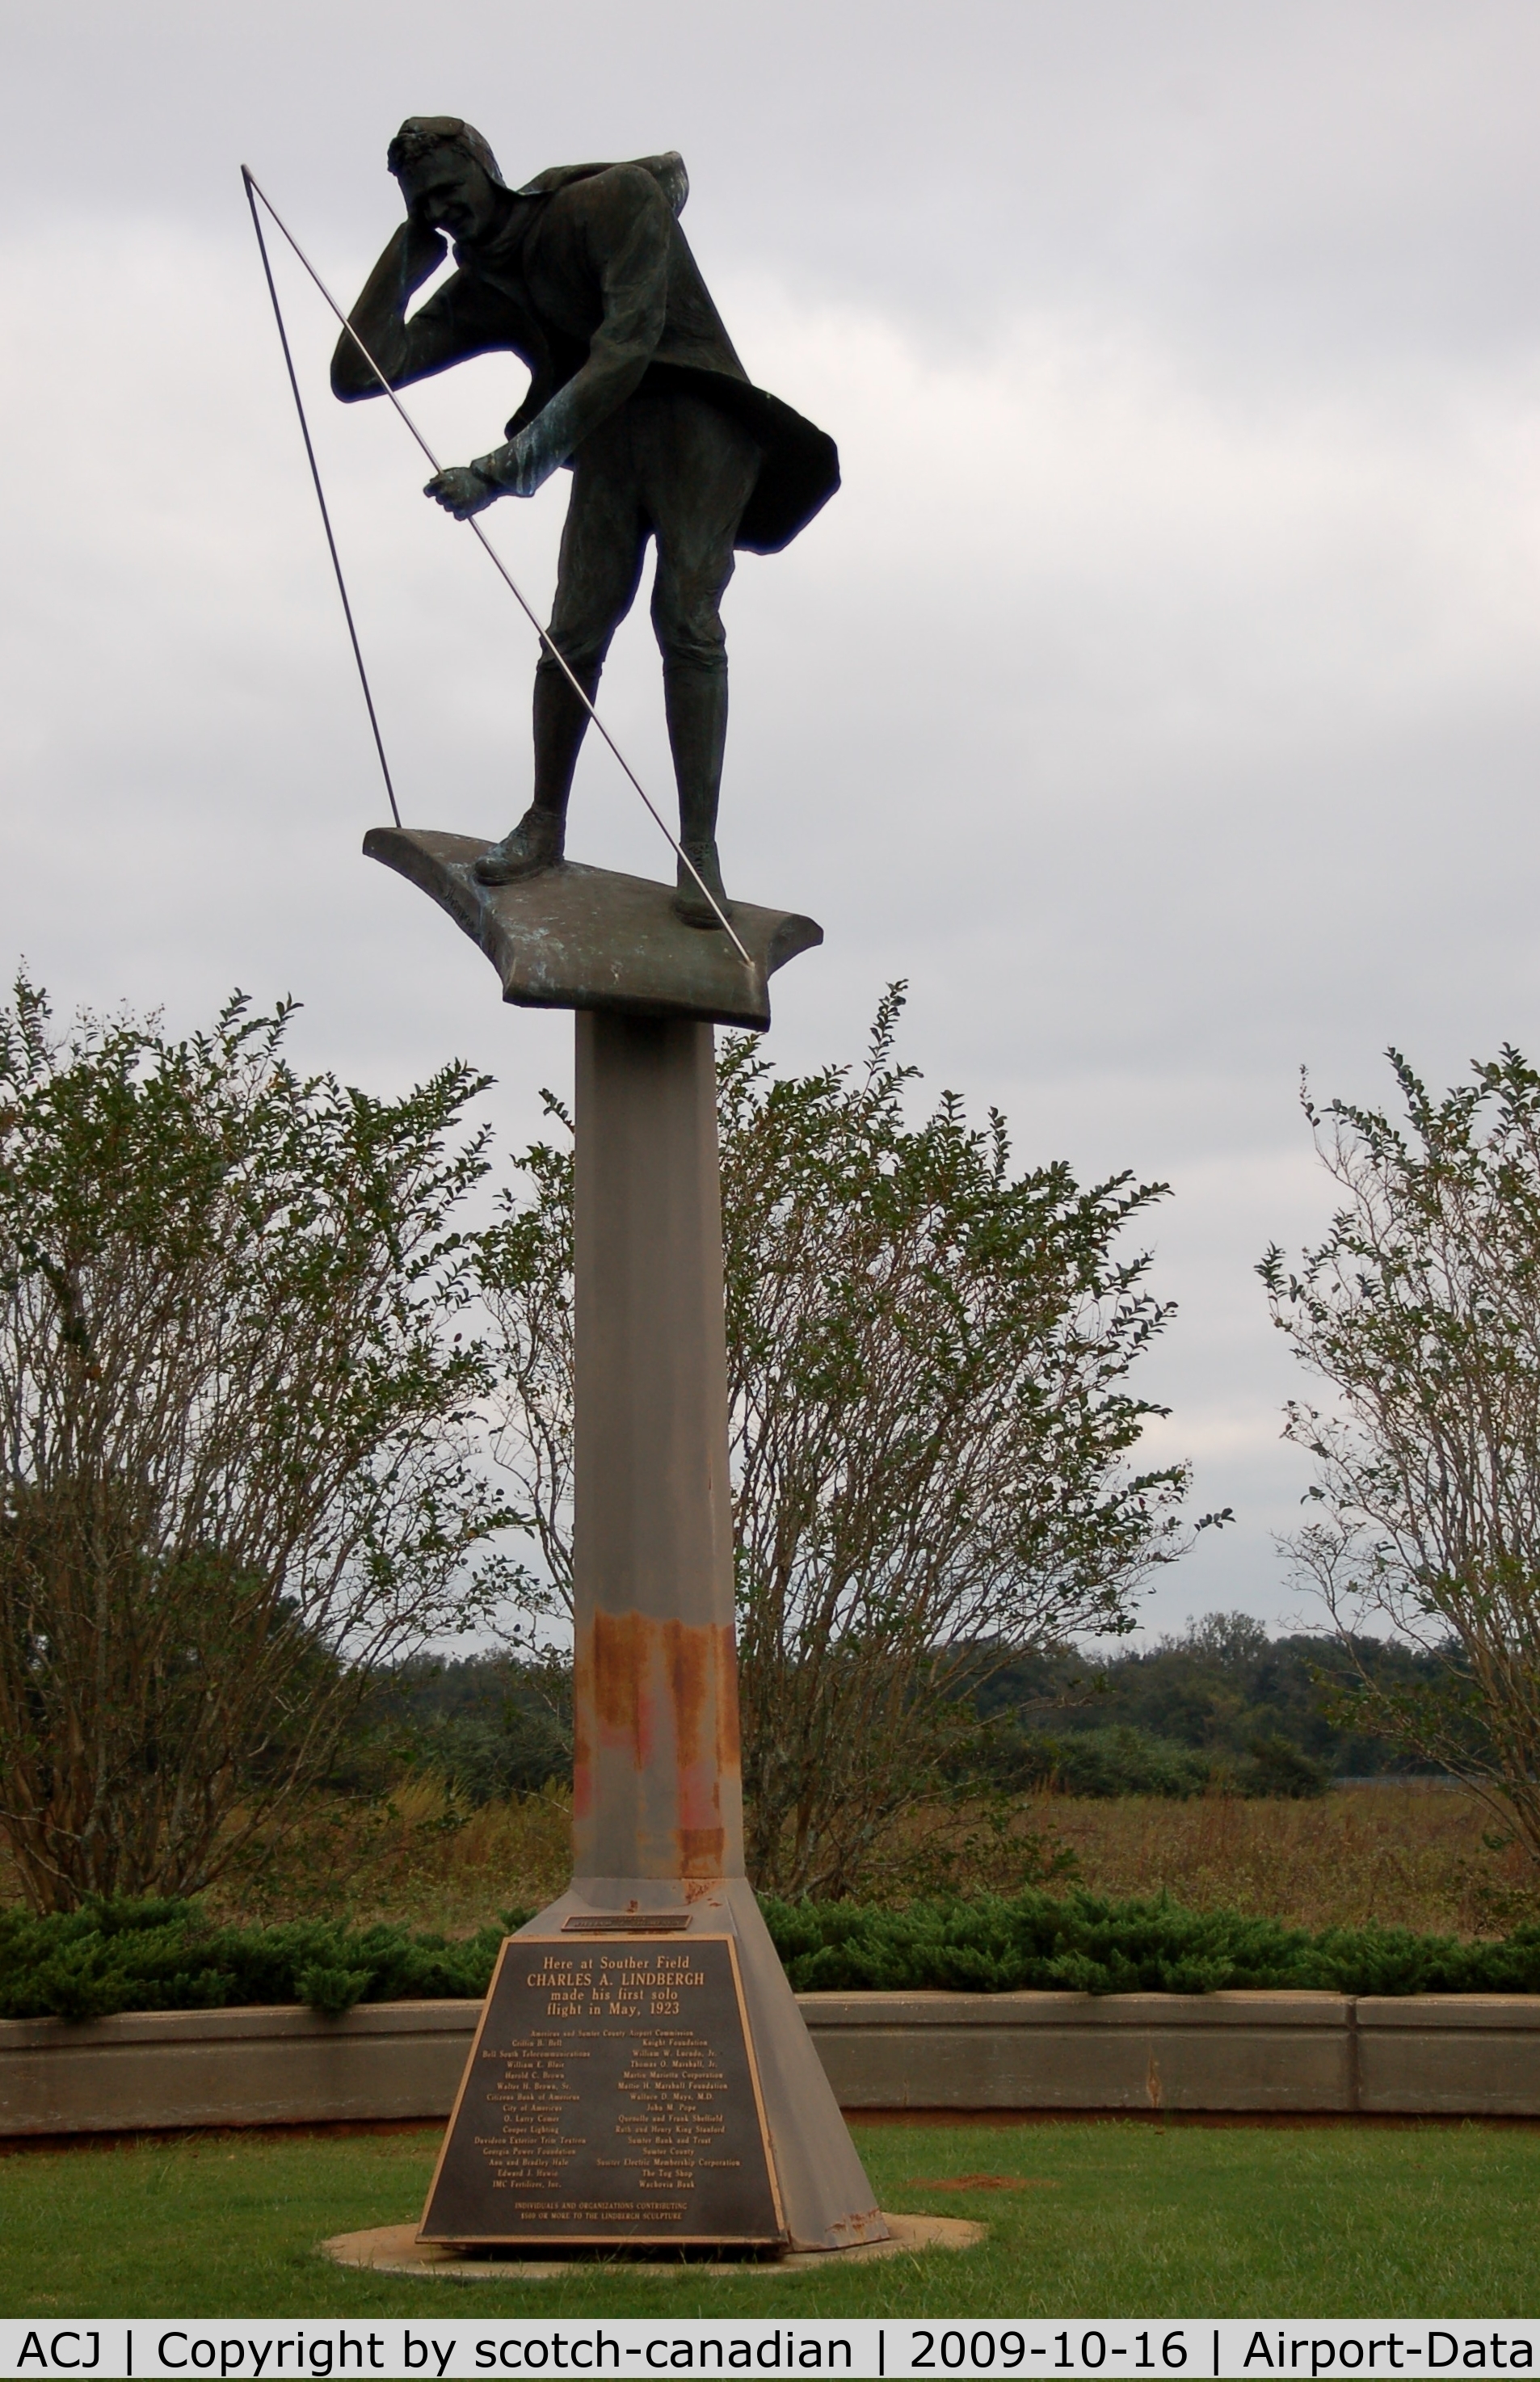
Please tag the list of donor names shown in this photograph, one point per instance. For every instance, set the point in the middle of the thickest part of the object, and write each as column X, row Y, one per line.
column 610, row 2096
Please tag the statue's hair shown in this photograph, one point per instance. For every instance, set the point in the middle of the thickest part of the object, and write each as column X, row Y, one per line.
column 421, row 135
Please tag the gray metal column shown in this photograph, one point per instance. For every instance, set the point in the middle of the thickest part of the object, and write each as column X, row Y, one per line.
column 658, row 1789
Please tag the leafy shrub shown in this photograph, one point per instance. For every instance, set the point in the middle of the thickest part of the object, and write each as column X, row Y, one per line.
column 145, row 1956
column 1118, row 1758
column 1107, row 1761
column 1038, row 1942
column 1278, row 1766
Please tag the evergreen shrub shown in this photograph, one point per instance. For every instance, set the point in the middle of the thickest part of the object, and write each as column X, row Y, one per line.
column 164, row 1956
column 1078, row 1942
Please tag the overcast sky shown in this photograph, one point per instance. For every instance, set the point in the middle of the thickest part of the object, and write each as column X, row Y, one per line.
column 1159, row 696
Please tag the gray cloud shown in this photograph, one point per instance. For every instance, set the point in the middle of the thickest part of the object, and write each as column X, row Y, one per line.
column 1159, row 696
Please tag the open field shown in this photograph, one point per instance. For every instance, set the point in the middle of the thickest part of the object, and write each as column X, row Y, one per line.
column 412, row 1858
column 1085, row 2220
column 1413, row 1856
column 1410, row 1855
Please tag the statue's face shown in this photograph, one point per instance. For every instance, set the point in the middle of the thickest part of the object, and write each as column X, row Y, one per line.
column 452, row 194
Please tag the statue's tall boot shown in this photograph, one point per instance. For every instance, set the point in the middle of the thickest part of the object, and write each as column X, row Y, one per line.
column 540, row 837
column 696, row 701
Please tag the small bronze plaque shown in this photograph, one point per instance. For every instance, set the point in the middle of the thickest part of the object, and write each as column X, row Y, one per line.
column 644, row 1923
column 610, row 2096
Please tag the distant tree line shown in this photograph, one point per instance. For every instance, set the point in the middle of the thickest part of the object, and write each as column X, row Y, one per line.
column 1221, row 1707
column 485, row 1725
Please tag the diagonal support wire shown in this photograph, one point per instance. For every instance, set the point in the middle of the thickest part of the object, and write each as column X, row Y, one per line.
column 321, row 498
column 254, row 192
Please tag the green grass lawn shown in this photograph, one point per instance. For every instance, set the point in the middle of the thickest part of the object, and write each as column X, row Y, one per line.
column 1115, row 2219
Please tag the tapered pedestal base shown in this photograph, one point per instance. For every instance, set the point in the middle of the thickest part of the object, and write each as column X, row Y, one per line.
column 827, row 2200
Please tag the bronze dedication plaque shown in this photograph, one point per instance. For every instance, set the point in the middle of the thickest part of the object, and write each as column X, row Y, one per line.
column 610, row 2096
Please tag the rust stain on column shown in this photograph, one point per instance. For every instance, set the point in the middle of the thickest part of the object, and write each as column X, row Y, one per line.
column 656, row 1733
column 701, row 1851
column 688, row 1654
column 618, row 1658
column 703, row 1678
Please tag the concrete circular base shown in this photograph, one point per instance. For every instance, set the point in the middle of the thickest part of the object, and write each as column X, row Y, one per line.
column 395, row 2250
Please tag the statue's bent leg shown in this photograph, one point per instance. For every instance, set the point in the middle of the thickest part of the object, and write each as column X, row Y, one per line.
column 698, row 466
column 598, row 575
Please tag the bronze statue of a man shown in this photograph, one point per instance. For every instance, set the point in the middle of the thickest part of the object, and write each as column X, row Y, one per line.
column 584, row 275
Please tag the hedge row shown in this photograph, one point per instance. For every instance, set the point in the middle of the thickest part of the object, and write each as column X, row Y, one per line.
column 164, row 1956
column 1077, row 1943
column 158, row 1956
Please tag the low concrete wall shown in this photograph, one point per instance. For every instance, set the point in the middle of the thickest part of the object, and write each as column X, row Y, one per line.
column 1070, row 2051
column 231, row 2067
column 1446, row 2056
column 1451, row 2053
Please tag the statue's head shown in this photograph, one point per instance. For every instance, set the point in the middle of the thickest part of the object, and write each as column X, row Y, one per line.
column 448, row 175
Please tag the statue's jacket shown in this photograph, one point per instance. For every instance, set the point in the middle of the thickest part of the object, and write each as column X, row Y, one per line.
column 592, row 284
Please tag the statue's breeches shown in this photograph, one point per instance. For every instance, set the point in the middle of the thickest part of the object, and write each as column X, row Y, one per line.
column 675, row 468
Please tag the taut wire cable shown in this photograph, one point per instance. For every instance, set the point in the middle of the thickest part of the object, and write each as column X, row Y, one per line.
column 254, row 192
column 321, row 499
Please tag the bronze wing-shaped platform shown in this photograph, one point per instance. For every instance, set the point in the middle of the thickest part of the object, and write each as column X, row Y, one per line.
column 575, row 938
